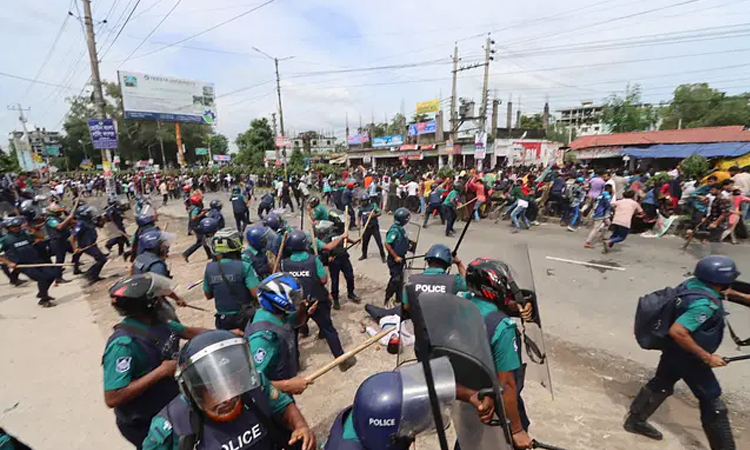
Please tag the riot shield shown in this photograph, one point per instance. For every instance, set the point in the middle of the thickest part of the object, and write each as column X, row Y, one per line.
column 448, row 325
column 535, row 352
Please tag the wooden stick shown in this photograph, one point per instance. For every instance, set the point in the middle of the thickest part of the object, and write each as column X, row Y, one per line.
column 196, row 284
column 312, row 237
column 467, row 203
column 336, row 362
column 31, row 266
column 346, row 218
column 279, row 256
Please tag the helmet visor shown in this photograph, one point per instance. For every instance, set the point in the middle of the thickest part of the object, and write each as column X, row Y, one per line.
column 220, row 372
column 161, row 286
column 416, row 412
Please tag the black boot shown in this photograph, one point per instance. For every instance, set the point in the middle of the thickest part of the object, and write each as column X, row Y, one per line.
column 717, row 428
column 354, row 298
column 348, row 364
column 336, row 304
column 362, row 258
column 643, row 406
column 77, row 271
column 18, row 282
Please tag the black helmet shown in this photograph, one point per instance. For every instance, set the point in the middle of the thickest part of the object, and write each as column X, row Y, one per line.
column 30, row 211
column 439, row 253
column 215, row 204
column 86, row 212
column 297, row 241
column 402, row 216
column 314, row 201
column 337, row 217
column 14, row 221
column 490, row 279
column 139, row 294
column 364, row 197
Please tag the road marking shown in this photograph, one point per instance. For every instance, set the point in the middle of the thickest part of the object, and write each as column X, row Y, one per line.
column 584, row 263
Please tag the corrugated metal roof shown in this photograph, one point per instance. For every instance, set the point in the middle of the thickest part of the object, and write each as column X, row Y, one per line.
column 711, row 150
column 686, row 136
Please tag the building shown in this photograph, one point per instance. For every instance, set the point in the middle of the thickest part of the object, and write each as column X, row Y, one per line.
column 585, row 119
column 318, row 143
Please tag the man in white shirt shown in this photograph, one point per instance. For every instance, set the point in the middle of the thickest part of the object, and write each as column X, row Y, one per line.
column 741, row 179
column 412, row 196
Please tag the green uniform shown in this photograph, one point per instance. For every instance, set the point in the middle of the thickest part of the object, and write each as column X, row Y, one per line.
column 248, row 274
column 699, row 310
column 395, row 232
column 5, row 442
column 320, row 213
column 264, row 345
column 460, row 285
column 124, row 360
column 160, row 436
column 504, row 343
column 450, row 198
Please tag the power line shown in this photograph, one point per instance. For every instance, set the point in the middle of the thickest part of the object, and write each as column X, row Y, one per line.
column 48, row 55
column 166, row 16
column 111, row 44
column 33, row 81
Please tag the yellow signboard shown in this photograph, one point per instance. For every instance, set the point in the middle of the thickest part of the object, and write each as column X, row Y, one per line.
column 430, row 106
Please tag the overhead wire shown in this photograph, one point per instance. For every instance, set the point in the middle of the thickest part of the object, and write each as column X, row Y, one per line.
column 48, row 55
column 119, row 32
column 153, row 30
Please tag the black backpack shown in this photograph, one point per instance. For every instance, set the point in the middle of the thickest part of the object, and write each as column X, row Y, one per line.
column 656, row 312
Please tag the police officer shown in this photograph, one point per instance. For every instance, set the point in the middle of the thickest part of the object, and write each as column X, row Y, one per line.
column 11, row 274
column 387, row 412
column 396, row 244
column 689, row 355
column 196, row 213
column 312, row 276
column 434, row 203
column 114, row 215
column 450, row 205
column 214, row 212
column 240, row 209
column 83, row 240
column 226, row 403
column 146, row 222
column 8, row 442
column 347, row 200
column 266, row 204
column 318, row 211
column 489, row 289
column 368, row 206
column 230, row 282
column 18, row 245
column 154, row 249
column 272, row 333
column 58, row 231
column 138, row 359
column 339, row 262
column 255, row 252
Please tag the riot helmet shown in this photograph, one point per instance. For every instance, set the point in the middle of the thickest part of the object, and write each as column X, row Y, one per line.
column 491, row 280
column 30, row 210
column 439, row 254
column 209, row 225
column 274, row 222
column 86, row 212
column 402, row 216
column 280, row 293
column 215, row 204
column 297, row 241
column 196, row 200
column 324, row 230
column 254, row 236
column 214, row 370
column 14, row 222
column 139, row 294
column 145, row 218
column 314, row 201
column 364, row 197
column 226, row 240
column 337, row 217
column 716, row 269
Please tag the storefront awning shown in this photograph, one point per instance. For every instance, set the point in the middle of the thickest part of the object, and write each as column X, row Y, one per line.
column 713, row 150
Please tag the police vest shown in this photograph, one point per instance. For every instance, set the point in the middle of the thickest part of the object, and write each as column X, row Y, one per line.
column 249, row 430
column 216, row 214
column 366, row 214
column 116, row 217
column 434, row 198
column 238, row 205
column 153, row 342
column 259, row 263
column 711, row 332
column 401, row 244
column 85, row 232
column 336, row 439
column 20, row 249
column 195, row 219
column 146, row 260
column 421, row 283
column 138, row 233
column 228, row 299
column 287, row 366
column 491, row 322
column 306, row 273
column 266, row 200
column 56, row 234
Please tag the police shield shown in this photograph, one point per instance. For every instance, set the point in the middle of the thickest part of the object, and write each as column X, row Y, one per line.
column 450, row 326
column 535, row 352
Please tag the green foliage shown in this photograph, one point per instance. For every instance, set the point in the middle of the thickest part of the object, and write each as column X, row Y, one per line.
column 416, row 118
column 559, row 133
column 9, row 161
column 625, row 114
column 446, row 172
column 533, row 122
column 219, row 144
column 695, row 167
column 658, row 180
column 254, row 142
column 397, row 125
column 698, row 105
column 570, row 157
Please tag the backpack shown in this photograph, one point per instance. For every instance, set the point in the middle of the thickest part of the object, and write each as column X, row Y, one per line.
column 656, row 312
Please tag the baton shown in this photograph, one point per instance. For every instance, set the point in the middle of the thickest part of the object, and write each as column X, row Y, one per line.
column 463, row 233
column 196, row 307
column 196, row 284
column 729, row 359
column 31, row 266
column 537, row 444
column 336, row 362
column 279, row 256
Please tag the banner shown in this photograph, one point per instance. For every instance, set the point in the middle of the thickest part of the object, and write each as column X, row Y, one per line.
column 480, row 146
column 430, row 106
column 201, row 151
column 387, row 141
column 422, row 128
column 149, row 97
column 52, row 150
column 449, row 147
column 86, row 164
column 283, row 142
column 103, row 133
column 225, row 158
column 358, row 139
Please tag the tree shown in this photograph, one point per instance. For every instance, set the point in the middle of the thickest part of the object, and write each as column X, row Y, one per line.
column 219, row 144
column 9, row 161
column 559, row 133
column 417, row 118
column 397, row 125
column 694, row 167
column 533, row 122
column 254, row 142
column 625, row 114
column 698, row 105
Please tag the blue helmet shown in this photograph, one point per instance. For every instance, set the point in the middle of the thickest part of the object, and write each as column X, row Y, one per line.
column 209, row 225
column 150, row 240
column 297, row 241
column 402, row 216
column 254, row 236
column 439, row 252
column 280, row 293
column 15, row 221
column 376, row 412
column 144, row 219
column 716, row 269
column 274, row 222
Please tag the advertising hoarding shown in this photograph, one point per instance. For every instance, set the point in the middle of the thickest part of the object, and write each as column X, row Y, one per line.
column 358, row 139
column 387, row 141
column 224, row 158
column 430, row 106
column 169, row 99
column 103, row 133
column 423, row 128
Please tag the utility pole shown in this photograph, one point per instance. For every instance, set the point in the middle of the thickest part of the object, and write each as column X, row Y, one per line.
column 96, row 82
column 161, row 144
column 22, row 119
column 278, row 91
column 453, row 117
column 487, row 58
column 273, row 119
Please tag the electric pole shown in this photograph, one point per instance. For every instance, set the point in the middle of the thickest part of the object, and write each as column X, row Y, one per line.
column 453, row 118
column 273, row 119
column 22, row 119
column 278, row 91
column 98, row 94
column 488, row 51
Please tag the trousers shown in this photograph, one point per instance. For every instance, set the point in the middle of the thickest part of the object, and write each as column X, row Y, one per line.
column 200, row 240
column 263, row 209
column 322, row 317
column 431, row 208
column 619, row 233
column 120, row 242
column 242, row 220
column 597, row 233
column 100, row 260
column 395, row 282
column 449, row 213
column 372, row 231
column 44, row 277
column 341, row 265
column 59, row 248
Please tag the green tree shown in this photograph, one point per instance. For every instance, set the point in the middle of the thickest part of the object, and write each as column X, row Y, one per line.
column 417, row 118
column 254, row 142
column 694, row 167
column 698, row 105
column 219, row 144
column 9, row 161
column 624, row 114
column 533, row 122
column 559, row 133
column 397, row 125
column 296, row 161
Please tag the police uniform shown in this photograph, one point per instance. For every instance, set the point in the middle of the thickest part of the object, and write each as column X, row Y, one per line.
column 399, row 242
column 59, row 242
column 11, row 274
column 215, row 213
column 273, row 345
column 309, row 271
column 343, row 436
column 259, row 260
column 230, row 285
column 266, row 204
column 320, row 213
column 435, row 201
column 19, row 248
column 195, row 220
column 449, row 211
column 239, row 209
column 341, row 264
column 247, row 431
column 85, row 234
column 373, row 228
column 114, row 215
column 150, row 262
column 137, row 251
column 132, row 351
column 347, row 197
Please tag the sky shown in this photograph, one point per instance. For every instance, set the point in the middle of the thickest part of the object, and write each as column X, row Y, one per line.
column 365, row 60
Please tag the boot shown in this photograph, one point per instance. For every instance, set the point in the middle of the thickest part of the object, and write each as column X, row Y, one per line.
column 304, row 331
column 643, row 406
column 336, row 304
column 354, row 298
column 77, row 271
column 61, row 280
column 362, row 258
column 18, row 282
column 348, row 364
column 382, row 258
column 717, row 427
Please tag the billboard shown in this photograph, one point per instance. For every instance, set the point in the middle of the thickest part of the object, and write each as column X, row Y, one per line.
column 430, row 106
column 103, row 133
column 358, row 139
column 223, row 158
column 387, row 141
column 283, row 142
column 151, row 97
column 422, row 128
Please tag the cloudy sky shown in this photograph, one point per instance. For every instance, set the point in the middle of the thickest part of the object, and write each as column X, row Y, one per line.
column 365, row 59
